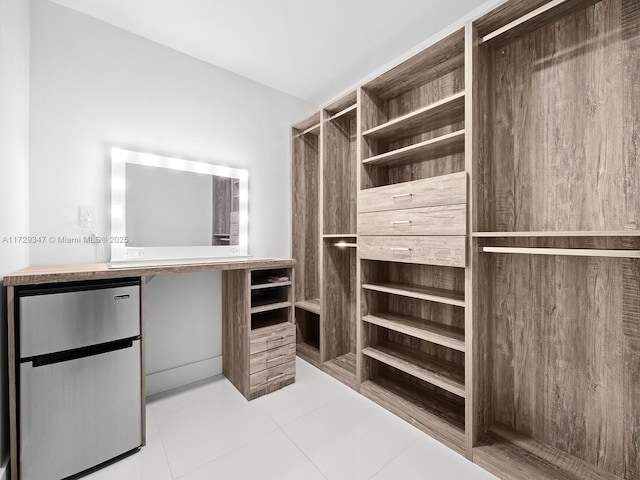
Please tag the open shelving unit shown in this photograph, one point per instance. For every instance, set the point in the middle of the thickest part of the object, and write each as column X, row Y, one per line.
column 305, row 196
column 339, row 239
column 555, row 240
column 482, row 278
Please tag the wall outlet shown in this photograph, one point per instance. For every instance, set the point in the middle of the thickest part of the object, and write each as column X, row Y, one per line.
column 86, row 217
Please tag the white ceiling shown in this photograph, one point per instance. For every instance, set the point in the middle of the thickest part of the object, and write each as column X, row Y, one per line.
column 311, row 49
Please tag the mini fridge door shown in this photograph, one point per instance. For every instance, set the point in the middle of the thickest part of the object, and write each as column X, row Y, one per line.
column 78, row 413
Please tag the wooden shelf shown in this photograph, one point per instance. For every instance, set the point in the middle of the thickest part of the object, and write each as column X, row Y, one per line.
column 439, row 417
column 342, row 368
column 438, row 295
column 312, row 305
column 438, row 147
column 510, row 454
column 433, row 370
column 308, row 352
column 569, row 252
column 347, row 110
column 533, row 20
column 340, row 235
column 619, row 233
column 270, row 285
column 445, row 112
column 427, row 330
column 270, row 306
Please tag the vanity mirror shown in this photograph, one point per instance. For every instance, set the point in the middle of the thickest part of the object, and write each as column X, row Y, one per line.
column 169, row 210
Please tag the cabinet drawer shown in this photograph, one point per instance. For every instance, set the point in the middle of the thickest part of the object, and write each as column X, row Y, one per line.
column 442, row 220
column 448, row 251
column 272, row 358
column 273, row 376
column 272, row 337
column 429, row 192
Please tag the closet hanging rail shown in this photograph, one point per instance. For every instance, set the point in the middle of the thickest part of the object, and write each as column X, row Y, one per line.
column 571, row 252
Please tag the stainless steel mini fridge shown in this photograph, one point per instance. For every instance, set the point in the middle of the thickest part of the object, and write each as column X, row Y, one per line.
column 80, row 377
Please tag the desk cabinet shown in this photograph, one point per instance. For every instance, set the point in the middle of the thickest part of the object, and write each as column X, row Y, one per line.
column 258, row 330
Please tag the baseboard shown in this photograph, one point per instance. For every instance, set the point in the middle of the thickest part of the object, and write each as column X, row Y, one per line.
column 181, row 376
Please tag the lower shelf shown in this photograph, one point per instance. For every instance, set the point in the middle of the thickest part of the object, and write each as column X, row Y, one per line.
column 312, row 305
column 510, row 454
column 434, row 414
column 309, row 352
column 343, row 368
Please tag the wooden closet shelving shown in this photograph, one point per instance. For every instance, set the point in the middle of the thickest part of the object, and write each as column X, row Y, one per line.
column 305, row 196
column 488, row 284
column 430, row 294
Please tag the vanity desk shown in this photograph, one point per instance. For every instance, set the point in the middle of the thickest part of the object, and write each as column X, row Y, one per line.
column 258, row 331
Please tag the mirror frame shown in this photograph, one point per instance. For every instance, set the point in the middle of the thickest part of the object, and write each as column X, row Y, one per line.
column 121, row 253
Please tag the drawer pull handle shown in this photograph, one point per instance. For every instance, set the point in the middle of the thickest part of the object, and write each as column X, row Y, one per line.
column 401, row 195
column 401, row 222
column 279, row 357
column 269, row 379
column 276, row 339
column 398, row 249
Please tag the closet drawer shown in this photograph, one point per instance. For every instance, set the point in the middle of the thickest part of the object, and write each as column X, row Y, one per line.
column 272, row 337
column 429, row 192
column 441, row 220
column 272, row 377
column 272, row 358
column 448, row 251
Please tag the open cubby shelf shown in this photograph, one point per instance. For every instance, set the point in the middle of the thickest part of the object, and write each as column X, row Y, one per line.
column 437, row 115
column 268, row 318
column 311, row 305
column 442, row 146
column 431, row 369
column 430, row 331
column 270, row 306
column 439, row 295
column 438, row 415
column 516, row 456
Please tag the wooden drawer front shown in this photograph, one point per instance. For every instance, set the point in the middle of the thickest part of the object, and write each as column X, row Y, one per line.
column 272, row 337
column 272, row 358
column 272, row 376
column 443, row 220
column 428, row 192
column 447, row 251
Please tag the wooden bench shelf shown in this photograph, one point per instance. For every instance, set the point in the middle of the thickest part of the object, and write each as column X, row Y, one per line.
column 427, row 330
column 438, row 295
column 438, row 372
column 312, row 305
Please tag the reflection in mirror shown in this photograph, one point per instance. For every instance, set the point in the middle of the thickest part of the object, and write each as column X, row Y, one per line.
column 172, row 210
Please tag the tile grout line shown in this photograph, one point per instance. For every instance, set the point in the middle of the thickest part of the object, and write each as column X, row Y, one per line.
column 396, row 456
column 302, row 452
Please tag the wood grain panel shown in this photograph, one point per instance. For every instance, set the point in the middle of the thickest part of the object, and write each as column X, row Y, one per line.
column 339, row 170
column 447, row 220
column 236, row 303
column 570, row 72
column 434, row 61
column 447, row 251
column 563, row 371
column 101, row 271
column 339, row 323
column 305, row 196
column 13, row 382
column 428, row 192
column 272, row 379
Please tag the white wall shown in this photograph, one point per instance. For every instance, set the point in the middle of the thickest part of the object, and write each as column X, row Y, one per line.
column 14, row 165
column 94, row 86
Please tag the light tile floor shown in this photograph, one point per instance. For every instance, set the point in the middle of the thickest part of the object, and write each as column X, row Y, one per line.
column 314, row 429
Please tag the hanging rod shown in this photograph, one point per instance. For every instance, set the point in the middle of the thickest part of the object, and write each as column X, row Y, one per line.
column 571, row 252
